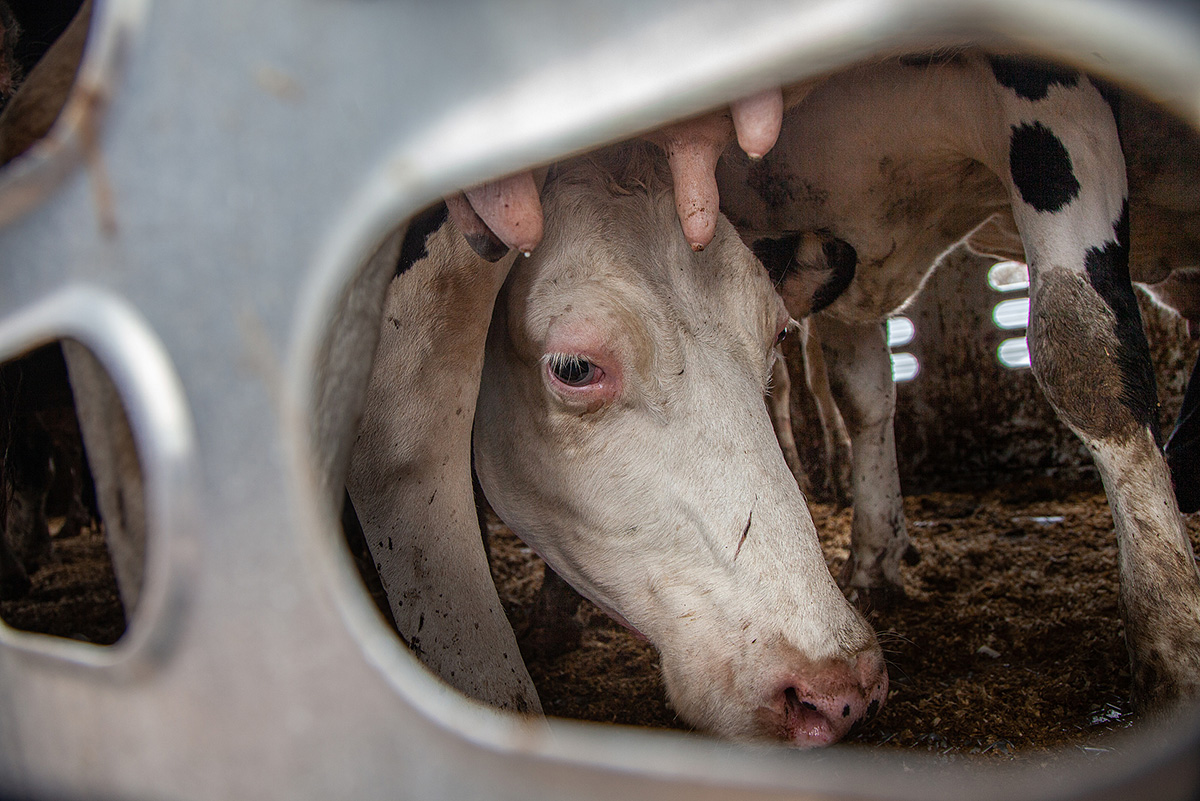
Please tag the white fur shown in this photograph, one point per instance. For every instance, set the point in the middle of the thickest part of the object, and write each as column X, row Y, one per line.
column 642, row 504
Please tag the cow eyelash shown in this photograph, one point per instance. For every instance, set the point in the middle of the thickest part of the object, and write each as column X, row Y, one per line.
column 572, row 369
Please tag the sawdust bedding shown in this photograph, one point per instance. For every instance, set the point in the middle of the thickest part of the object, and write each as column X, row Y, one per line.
column 1009, row 642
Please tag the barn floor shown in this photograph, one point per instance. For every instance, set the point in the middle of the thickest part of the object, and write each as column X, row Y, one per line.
column 1007, row 646
column 74, row 593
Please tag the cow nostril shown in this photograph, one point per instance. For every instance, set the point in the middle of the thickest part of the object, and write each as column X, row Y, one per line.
column 805, row 724
column 846, row 711
column 791, row 698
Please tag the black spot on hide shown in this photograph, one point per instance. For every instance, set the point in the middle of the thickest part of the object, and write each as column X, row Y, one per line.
column 770, row 181
column 1183, row 448
column 839, row 259
column 842, row 260
column 487, row 246
column 412, row 250
column 1041, row 167
column 1108, row 272
column 778, row 255
column 1031, row 78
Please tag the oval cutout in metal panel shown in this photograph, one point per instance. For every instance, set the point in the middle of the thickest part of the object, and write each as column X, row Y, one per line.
column 323, row 303
column 120, row 344
column 73, row 138
column 1010, row 314
column 1008, row 276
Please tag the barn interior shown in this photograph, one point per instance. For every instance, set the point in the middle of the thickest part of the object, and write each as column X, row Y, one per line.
column 1008, row 651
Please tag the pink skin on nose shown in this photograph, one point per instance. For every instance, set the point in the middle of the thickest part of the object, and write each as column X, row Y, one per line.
column 821, row 706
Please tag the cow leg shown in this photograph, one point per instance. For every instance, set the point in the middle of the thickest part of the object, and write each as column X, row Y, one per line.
column 69, row 470
column 28, row 469
column 19, row 540
column 69, row 487
column 833, row 430
column 860, row 379
column 1183, row 449
column 1092, row 361
column 779, row 403
column 410, row 469
column 1066, row 176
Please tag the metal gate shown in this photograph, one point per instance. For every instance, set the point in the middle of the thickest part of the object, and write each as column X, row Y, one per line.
column 197, row 220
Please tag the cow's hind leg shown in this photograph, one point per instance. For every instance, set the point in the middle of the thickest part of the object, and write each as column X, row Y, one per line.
column 1089, row 353
column 779, row 404
column 1085, row 364
column 833, row 431
column 860, row 379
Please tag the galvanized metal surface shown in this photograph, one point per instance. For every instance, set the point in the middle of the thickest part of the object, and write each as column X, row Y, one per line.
column 251, row 153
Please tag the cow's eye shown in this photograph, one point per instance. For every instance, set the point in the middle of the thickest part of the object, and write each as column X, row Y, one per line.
column 572, row 370
column 785, row 328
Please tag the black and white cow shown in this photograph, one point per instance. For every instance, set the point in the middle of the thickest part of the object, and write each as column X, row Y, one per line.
column 879, row 172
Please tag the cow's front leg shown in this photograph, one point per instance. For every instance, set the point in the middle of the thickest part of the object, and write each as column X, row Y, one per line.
column 860, row 378
column 410, row 470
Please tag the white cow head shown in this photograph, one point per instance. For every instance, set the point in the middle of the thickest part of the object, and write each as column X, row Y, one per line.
column 621, row 432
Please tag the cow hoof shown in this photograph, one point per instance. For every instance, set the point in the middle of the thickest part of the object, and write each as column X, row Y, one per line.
column 546, row 643
column 869, row 600
column 874, row 591
column 553, row 629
